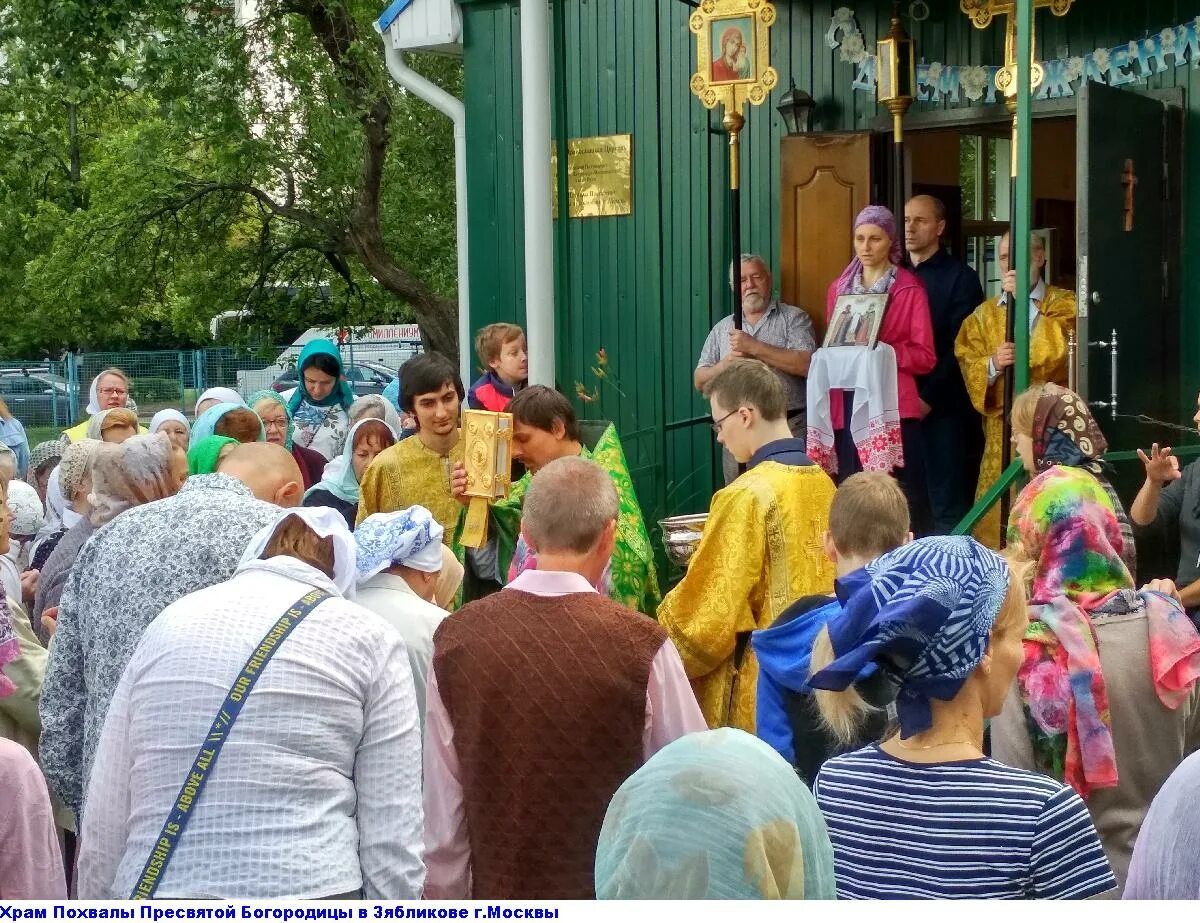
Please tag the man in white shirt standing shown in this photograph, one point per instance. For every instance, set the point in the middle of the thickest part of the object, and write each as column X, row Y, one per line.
column 315, row 790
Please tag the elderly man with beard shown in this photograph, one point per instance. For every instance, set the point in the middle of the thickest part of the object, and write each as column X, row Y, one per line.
column 778, row 335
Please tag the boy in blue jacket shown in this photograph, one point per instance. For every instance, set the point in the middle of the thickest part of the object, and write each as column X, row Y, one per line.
column 868, row 517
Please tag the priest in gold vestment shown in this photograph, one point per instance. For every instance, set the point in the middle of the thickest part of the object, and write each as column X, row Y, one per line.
column 416, row 471
column 983, row 356
column 761, row 550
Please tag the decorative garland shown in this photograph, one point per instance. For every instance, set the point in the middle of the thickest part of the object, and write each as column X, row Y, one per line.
column 1131, row 62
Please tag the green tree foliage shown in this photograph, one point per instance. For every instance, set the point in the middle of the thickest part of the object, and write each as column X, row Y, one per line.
column 161, row 164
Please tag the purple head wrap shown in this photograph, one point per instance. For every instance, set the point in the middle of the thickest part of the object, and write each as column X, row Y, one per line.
column 882, row 218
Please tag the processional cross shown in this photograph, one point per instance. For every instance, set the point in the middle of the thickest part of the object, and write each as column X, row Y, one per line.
column 982, row 12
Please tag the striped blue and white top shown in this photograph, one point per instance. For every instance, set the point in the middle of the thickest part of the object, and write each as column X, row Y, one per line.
column 969, row 829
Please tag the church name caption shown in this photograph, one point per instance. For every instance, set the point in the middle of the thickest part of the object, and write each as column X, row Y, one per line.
column 1130, row 62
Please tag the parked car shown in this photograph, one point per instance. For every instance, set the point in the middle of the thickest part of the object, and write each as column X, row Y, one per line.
column 364, row 378
column 36, row 399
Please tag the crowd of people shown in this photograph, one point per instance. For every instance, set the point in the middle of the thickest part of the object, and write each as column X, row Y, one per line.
column 260, row 627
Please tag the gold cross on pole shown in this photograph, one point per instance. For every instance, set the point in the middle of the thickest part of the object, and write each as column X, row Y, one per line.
column 981, row 13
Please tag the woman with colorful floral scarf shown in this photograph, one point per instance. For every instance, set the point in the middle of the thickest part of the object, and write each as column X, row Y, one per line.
column 1106, row 698
column 320, row 403
column 1051, row 425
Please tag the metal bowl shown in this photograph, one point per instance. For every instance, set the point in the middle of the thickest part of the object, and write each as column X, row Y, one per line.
column 681, row 536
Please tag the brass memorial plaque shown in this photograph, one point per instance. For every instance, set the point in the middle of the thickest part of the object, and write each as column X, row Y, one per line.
column 599, row 176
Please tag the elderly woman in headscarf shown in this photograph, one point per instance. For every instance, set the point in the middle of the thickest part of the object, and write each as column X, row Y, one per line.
column 1106, row 697
column 943, row 618
column 12, row 434
column 175, row 425
column 236, row 421
column 272, row 409
column 407, row 576
column 343, row 779
column 1164, row 865
column 214, row 396
column 1052, row 425
column 876, row 424
column 31, row 866
column 28, row 517
column 716, row 815
column 114, row 425
column 320, row 404
column 42, row 461
column 140, row 470
column 339, row 486
column 66, row 498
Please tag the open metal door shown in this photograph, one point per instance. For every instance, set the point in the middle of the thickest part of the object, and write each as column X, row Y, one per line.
column 1129, row 158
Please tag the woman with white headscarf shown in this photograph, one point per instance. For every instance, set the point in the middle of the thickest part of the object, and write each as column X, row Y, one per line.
column 109, row 390
column 1165, row 865
column 213, row 396
column 401, row 562
column 320, row 759
column 175, row 425
column 28, row 517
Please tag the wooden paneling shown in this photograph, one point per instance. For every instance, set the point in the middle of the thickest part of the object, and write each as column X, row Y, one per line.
column 826, row 181
column 649, row 287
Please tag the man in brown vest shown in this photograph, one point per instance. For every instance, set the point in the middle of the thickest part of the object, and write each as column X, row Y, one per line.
column 542, row 700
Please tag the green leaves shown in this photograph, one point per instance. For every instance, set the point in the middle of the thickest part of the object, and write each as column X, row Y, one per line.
column 220, row 166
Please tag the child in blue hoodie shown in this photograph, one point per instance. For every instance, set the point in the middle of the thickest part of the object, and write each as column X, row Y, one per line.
column 868, row 518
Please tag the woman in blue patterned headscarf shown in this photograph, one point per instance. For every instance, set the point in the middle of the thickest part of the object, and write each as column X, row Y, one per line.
column 716, row 815
column 925, row 814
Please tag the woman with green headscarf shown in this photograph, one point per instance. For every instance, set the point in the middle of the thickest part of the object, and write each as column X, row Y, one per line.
column 272, row 409
column 320, row 403
column 717, row 815
column 205, row 455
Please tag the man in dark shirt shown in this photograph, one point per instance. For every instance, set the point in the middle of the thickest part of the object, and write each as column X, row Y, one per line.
column 952, row 430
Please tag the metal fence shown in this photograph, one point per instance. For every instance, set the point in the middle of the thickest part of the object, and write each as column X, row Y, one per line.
column 54, row 393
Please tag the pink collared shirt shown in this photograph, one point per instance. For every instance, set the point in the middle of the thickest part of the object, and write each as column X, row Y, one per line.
column 671, row 712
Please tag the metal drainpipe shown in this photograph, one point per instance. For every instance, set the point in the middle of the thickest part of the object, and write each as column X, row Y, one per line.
column 539, row 233
column 453, row 108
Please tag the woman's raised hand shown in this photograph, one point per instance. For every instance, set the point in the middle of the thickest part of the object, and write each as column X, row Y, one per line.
column 1160, row 464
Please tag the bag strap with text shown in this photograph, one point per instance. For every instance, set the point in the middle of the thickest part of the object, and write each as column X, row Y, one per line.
column 206, row 759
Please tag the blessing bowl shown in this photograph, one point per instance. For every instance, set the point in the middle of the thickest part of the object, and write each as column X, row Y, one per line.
column 681, row 536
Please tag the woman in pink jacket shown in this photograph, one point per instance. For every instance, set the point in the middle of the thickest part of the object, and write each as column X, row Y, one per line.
column 907, row 328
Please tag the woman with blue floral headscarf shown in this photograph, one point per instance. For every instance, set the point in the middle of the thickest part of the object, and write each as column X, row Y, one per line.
column 320, row 403
column 339, row 487
column 925, row 814
column 688, row 825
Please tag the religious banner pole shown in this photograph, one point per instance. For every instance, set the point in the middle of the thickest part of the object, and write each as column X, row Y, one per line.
column 895, row 88
column 1017, row 80
column 733, row 67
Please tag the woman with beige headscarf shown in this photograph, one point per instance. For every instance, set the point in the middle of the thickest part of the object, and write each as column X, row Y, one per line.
column 139, row 470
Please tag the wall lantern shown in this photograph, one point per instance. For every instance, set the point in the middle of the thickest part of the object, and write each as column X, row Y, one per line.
column 796, row 109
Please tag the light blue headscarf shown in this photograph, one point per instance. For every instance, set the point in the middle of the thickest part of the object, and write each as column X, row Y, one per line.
column 716, row 815
column 206, row 425
column 339, row 477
